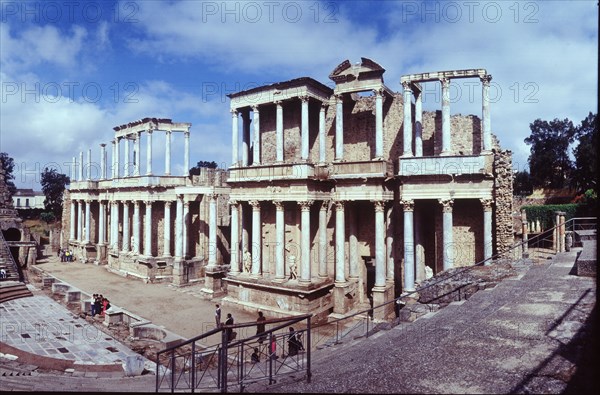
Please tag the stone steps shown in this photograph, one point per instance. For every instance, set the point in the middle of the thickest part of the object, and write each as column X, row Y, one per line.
column 10, row 290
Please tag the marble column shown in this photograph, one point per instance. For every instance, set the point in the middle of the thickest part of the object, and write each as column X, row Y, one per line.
column 114, row 219
column 185, row 226
column 389, row 245
column 487, row 229
column 525, row 246
column 103, row 161
column 409, row 242
column 212, row 230
column 80, row 166
column 305, row 264
column 88, row 221
column 304, row 146
column 378, row 123
column 168, row 153
column 256, row 142
column 339, row 128
column 323, row 239
column 136, row 154
column 485, row 110
column 235, row 156
column 418, row 123
column 72, row 221
column 446, row 142
column 235, row 237
column 148, row 229
column 256, row 237
column 186, row 153
column 448, row 241
column 246, row 137
column 117, row 159
column 167, row 230
column 419, row 249
column 126, row 237
column 280, row 239
column 80, row 221
column 101, row 223
column 149, row 152
column 89, row 165
column 322, row 133
column 407, row 124
column 127, row 158
column 179, row 229
column 74, row 169
column 340, row 238
column 279, row 131
column 135, row 247
column 352, row 241
column 379, row 244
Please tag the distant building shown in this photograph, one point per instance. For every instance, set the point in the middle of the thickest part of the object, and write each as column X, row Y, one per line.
column 28, row 198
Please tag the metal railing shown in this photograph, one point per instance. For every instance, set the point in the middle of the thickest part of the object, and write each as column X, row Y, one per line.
column 9, row 256
column 191, row 366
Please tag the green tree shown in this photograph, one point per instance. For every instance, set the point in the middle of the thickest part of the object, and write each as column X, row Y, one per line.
column 8, row 164
column 549, row 162
column 53, row 186
column 522, row 185
column 586, row 158
column 195, row 171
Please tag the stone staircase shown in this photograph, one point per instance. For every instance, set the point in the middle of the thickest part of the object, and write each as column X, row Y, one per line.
column 10, row 290
column 7, row 262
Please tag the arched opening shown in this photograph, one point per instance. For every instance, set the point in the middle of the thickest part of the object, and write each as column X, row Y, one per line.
column 12, row 234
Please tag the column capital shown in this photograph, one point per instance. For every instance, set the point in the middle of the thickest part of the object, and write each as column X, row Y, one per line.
column 304, row 98
column 407, row 86
column 339, row 98
column 378, row 92
column 324, row 106
column 114, row 141
column 339, row 205
column 278, row 102
column 255, row 205
column 324, row 205
column 168, row 132
column 148, row 202
column 445, row 82
column 446, row 205
column 486, row 79
column 487, row 204
column 408, row 204
column 305, row 205
column 102, row 145
column 168, row 203
column 186, row 133
column 88, row 201
column 136, row 203
column 233, row 203
column 379, row 205
column 234, row 112
column 125, row 201
column 255, row 108
column 278, row 205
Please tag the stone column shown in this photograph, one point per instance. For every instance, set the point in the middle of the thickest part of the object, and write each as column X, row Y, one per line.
column 167, row 230
column 72, row 222
column 212, row 230
column 407, row 124
column 322, row 133
column 126, row 237
column 246, row 137
column 339, row 128
column 185, row 226
column 352, row 242
column 116, row 159
column 418, row 124
column 148, row 229
column 448, row 240
column 80, row 166
column 136, row 154
column 126, row 172
column 87, row 220
column 485, row 110
column 409, row 242
column 304, row 125
column 419, row 249
column 256, row 237
column 389, row 245
column 89, row 163
column 235, row 156
column 446, row 143
column 379, row 245
column 279, row 131
column 135, row 248
column 186, row 153
column 525, row 226
column 235, row 237
column 101, row 223
column 103, row 161
column 487, row 229
column 179, row 229
column 280, row 239
column 149, row 152
column 340, row 238
column 323, row 239
column 378, row 123
column 114, row 218
column 305, row 274
column 168, row 153
column 256, row 143
column 74, row 169
column 80, row 221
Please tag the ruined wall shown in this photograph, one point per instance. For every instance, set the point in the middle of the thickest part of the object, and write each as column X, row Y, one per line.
column 66, row 219
column 464, row 129
column 468, row 232
column 503, row 199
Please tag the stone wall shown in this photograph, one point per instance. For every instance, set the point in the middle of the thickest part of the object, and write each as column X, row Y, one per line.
column 503, row 199
column 66, row 219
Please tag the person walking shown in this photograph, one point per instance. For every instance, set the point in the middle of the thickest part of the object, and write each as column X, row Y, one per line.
column 260, row 326
column 218, row 315
column 229, row 331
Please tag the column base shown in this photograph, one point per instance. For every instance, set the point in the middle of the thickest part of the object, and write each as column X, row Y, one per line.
column 279, row 280
column 407, row 155
column 179, row 272
column 445, row 153
column 382, row 295
column 102, row 250
column 344, row 295
column 213, row 284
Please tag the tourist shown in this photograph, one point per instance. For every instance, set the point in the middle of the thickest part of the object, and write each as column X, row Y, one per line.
column 2, row 273
column 218, row 315
column 93, row 305
column 260, row 326
column 105, row 305
column 255, row 357
column 294, row 343
column 229, row 331
column 98, row 304
column 67, row 254
column 273, row 348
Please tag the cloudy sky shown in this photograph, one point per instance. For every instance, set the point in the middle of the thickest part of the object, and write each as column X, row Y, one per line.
column 72, row 70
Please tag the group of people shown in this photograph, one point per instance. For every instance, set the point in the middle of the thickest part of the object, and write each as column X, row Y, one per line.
column 99, row 304
column 66, row 255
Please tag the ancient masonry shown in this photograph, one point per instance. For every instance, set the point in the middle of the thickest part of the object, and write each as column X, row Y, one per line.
column 335, row 199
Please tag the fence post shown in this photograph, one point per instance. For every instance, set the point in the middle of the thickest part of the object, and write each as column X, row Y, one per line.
column 193, row 366
column 308, row 346
column 272, row 355
column 173, row 370
column 224, row 340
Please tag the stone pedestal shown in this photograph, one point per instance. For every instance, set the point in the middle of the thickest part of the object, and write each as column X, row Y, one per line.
column 213, row 284
column 344, row 295
column 101, row 254
column 179, row 272
column 380, row 296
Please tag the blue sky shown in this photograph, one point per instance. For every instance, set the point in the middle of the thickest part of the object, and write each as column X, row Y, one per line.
column 72, row 70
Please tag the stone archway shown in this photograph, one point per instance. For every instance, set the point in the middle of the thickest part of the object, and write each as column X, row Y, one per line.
column 12, row 234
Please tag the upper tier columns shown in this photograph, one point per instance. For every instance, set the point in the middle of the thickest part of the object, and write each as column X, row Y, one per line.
column 186, row 152
column 235, row 155
column 80, row 166
column 407, row 124
column 409, row 242
column 168, row 153
column 136, row 154
column 246, row 137
column 446, row 143
column 235, row 237
column 116, row 158
column 486, row 121
column 148, row 229
column 212, row 231
column 279, row 130
column 305, row 244
column 378, row 123
column 339, row 127
column 256, row 237
column 149, row 153
column 418, row 123
column 256, row 142
column 304, row 126
column 89, row 165
column 340, row 238
column 322, row 132
column 126, row 172
column 74, row 169
column 103, row 161
column 448, row 240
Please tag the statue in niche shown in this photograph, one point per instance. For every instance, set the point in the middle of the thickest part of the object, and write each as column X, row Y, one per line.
column 247, row 261
column 428, row 272
column 293, row 268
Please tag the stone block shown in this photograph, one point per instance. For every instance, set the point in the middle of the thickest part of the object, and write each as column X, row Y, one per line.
column 60, row 288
